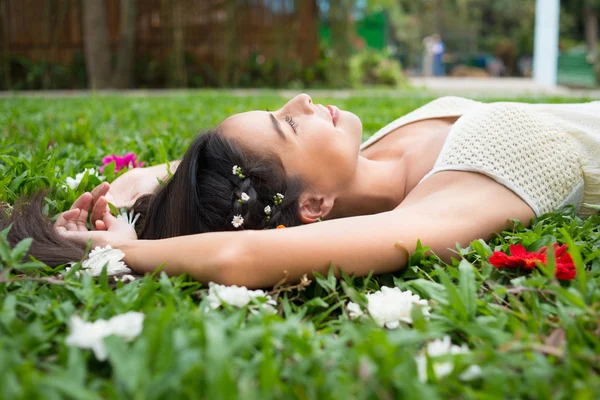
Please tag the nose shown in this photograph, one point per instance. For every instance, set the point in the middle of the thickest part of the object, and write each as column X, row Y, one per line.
column 302, row 103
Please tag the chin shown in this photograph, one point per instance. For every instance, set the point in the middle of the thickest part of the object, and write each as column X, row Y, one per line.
column 351, row 124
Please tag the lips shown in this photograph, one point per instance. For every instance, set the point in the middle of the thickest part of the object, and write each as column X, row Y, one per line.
column 335, row 114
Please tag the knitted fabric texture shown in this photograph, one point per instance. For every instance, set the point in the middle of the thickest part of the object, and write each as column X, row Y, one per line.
column 547, row 157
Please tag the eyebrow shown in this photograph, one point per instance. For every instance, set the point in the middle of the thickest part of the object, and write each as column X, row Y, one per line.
column 277, row 126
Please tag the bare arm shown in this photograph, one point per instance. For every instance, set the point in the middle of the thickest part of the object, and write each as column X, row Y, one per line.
column 449, row 207
column 127, row 188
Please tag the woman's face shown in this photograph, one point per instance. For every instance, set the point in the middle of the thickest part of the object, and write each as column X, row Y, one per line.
column 318, row 143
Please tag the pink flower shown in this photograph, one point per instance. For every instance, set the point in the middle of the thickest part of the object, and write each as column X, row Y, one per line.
column 129, row 160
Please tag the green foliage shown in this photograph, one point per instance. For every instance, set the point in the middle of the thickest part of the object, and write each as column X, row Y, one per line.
column 371, row 67
column 534, row 337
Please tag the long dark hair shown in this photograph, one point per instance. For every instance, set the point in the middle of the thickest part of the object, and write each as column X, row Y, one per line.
column 203, row 195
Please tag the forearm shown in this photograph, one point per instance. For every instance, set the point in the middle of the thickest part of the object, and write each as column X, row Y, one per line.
column 262, row 258
column 127, row 188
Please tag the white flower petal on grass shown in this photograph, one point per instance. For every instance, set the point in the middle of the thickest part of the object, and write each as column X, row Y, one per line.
column 108, row 256
column 441, row 369
column 473, row 372
column 354, row 310
column 73, row 183
column 235, row 296
column 101, row 256
column 130, row 218
column 90, row 335
column 125, row 278
column 390, row 306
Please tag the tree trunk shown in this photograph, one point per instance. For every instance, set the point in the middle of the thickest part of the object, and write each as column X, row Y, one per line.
column 96, row 43
column 591, row 30
column 4, row 23
column 439, row 17
column 123, row 76
column 178, row 54
column 308, row 35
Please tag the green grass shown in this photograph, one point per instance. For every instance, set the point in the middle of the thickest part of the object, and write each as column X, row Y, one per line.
column 534, row 337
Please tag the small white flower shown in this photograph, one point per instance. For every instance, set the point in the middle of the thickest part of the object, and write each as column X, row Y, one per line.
column 125, row 278
column 354, row 310
column 101, row 256
column 244, row 196
column 234, row 170
column 268, row 210
column 280, row 196
column 73, row 183
column 237, row 221
column 130, row 218
column 90, row 335
column 389, row 306
column 441, row 369
column 235, row 296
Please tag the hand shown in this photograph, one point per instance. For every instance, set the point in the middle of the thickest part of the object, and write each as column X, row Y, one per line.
column 110, row 230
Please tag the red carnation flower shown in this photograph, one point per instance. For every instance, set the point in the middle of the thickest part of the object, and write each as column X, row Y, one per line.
column 521, row 258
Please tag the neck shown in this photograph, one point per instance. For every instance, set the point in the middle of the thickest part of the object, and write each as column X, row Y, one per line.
column 378, row 186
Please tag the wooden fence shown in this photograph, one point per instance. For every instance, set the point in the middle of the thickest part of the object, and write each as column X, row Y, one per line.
column 217, row 33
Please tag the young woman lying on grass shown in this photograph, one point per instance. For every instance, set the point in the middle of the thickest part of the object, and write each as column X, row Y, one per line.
column 454, row 170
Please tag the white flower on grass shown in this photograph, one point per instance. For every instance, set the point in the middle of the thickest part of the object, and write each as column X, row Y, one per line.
column 244, row 196
column 389, row 306
column 237, row 221
column 125, row 278
column 73, row 183
column 235, row 296
column 268, row 210
column 90, row 335
column 354, row 310
column 130, row 218
column 101, row 256
column 441, row 369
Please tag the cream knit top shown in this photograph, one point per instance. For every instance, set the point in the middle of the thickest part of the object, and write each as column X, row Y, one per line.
column 548, row 154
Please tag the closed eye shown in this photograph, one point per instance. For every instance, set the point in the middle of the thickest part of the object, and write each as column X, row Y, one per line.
column 292, row 123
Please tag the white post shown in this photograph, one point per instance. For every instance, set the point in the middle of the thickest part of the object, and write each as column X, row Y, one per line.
column 545, row 47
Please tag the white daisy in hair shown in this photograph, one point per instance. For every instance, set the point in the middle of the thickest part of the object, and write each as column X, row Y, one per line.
column 90, row 335
column 244, row 196
column 237, row 221
column 130, row 218
column 268, row 210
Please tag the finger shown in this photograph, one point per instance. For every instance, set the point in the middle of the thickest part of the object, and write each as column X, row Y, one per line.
column 100, row 225
column 64, row 218
column 71, row 224
column 83, row 202
column 81, row 221
column 108, row 219
column 100, row 208
column 100, row 190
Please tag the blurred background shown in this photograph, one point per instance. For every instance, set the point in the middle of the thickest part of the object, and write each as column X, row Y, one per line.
column 97, row 44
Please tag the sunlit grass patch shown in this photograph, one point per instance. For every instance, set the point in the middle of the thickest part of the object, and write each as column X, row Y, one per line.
column 532, row 336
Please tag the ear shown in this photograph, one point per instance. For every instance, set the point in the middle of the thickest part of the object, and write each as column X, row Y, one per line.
column 313, row 207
